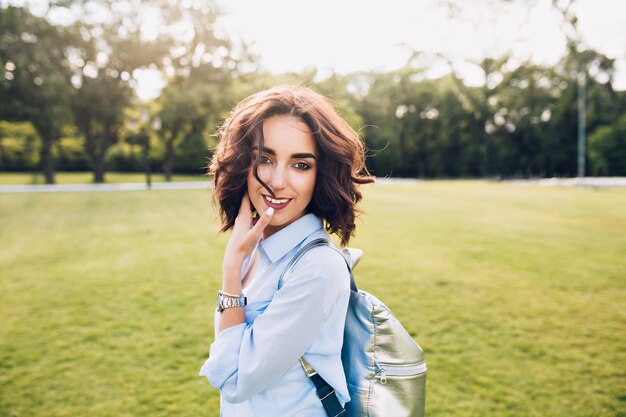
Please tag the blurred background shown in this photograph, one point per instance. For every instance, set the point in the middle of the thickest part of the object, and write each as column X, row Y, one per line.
column 515, row 290
column 437, row 88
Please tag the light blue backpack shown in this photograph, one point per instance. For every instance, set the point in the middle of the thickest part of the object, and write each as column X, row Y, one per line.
column 384, row 366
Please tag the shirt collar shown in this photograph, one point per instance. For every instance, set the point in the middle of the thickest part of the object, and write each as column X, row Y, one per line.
column 281, row 242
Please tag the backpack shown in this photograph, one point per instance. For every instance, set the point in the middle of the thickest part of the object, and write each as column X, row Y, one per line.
column 384, row 366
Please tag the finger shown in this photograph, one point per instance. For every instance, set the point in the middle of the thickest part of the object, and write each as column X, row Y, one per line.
column 263, row 221
column 244, row 208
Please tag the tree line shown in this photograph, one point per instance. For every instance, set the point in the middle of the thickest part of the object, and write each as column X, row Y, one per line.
column 68, row 100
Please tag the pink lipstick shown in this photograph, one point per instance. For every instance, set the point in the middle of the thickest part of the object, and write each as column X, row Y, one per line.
column 274, row 205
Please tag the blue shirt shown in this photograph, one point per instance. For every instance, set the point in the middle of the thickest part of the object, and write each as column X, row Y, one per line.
column 256, row 364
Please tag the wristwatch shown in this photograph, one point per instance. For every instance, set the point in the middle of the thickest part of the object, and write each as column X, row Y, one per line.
column 226, row 300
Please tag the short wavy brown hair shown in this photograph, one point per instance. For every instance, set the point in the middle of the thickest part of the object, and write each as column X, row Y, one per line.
column 341, row 163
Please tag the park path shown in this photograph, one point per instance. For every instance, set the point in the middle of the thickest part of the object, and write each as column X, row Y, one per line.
column 586, row 182
column 593, row 182
column 190, row 185
column 55, row 188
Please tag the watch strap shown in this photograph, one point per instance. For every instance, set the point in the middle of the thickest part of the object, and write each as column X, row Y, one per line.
column 226, row 300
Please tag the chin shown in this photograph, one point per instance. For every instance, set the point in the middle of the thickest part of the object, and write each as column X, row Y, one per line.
column 276, row 221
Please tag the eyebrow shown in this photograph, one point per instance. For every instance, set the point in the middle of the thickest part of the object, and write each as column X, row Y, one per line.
column 293, row 155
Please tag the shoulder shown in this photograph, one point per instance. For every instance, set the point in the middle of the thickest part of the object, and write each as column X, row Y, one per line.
column 324, row 262
column 324, row 255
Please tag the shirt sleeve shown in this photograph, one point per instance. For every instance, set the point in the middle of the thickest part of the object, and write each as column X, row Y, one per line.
column 248, row 358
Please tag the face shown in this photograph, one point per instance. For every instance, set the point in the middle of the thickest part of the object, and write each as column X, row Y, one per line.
column 288, row 166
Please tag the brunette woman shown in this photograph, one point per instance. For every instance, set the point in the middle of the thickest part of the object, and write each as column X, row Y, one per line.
column 287, row 170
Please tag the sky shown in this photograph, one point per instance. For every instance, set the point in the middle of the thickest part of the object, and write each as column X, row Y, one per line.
column 364, row 34
column 351, row 35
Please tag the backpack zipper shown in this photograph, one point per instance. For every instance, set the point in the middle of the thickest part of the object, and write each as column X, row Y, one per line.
column 399, row 370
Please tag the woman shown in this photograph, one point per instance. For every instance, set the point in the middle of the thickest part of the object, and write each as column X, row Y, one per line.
column 287, row 170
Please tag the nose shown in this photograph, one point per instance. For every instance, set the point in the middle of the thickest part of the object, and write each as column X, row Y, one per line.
column 278, row 179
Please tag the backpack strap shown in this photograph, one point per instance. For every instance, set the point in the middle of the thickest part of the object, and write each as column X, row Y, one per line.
column 324, row 391
column 320, row 242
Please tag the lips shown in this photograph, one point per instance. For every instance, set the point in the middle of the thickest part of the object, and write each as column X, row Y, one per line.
column 274, row 205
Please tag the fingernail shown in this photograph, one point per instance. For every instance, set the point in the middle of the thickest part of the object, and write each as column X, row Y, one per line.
column 269, row 211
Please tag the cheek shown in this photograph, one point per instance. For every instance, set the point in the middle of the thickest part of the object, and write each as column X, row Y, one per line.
column 253, row 189
column 306, row 184
column 265, row 172
column 252, row 181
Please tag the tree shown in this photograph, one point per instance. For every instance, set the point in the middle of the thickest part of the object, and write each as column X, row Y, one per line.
column 36, row 84
column 607, row 149
column 109, row 49
column 524, row 103
column 98, row 107
column 201, row 68
column 185, row 110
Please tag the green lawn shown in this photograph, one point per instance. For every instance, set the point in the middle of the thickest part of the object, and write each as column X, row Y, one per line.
column 25, row 178
column 516, row 294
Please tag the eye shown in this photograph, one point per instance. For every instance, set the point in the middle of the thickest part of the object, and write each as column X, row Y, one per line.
column 264, row 159
column 302, row 166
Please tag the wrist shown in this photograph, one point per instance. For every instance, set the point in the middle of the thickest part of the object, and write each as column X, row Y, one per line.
column 232, row 265
column 231, row 279
column 232, row 288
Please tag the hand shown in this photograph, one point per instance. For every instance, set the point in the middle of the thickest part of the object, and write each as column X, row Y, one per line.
column 245, row 233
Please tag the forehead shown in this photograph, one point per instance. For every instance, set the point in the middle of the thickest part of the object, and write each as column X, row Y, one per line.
column 288, row 134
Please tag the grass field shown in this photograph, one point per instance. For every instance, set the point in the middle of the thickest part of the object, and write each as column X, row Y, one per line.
column 516, row 294
column 25, row 178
